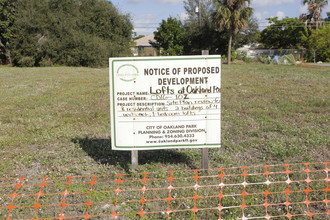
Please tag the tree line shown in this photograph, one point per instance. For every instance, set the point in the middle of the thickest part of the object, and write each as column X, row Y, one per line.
column 87, row 32
column 221, row 26
column 63, row 32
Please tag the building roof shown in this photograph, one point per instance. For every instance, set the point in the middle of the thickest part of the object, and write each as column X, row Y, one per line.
column 144, row 41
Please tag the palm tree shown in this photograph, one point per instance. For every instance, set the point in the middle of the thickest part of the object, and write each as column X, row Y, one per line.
column 233, row 16
column 314, row 12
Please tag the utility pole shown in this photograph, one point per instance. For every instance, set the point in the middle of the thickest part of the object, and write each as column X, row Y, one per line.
column 199, row 14
column 198, row 10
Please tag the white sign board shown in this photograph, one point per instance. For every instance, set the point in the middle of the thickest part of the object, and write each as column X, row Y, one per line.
column 165, row 102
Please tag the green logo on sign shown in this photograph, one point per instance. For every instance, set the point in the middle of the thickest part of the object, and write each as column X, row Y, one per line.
column 127, row 72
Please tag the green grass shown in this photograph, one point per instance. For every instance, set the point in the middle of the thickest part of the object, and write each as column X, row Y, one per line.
column 55, row 121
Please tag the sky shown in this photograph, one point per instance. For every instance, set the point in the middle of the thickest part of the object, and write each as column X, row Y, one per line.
column 146, row 15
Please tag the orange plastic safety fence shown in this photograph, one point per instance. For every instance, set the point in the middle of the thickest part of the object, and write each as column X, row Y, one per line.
column 288, row 191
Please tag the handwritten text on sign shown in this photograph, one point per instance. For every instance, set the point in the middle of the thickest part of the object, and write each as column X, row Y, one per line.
column 165, row 102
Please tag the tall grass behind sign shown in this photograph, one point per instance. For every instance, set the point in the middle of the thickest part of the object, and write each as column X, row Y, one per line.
column 165, row 102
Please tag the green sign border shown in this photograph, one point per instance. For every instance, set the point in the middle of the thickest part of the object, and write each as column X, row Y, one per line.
column 214, row 57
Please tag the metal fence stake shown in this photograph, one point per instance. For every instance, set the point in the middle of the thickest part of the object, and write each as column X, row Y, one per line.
column 205, row 151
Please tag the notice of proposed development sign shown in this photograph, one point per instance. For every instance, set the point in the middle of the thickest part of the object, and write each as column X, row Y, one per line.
column 165, row 102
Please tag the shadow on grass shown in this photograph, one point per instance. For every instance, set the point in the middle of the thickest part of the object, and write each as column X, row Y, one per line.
column 100, row 150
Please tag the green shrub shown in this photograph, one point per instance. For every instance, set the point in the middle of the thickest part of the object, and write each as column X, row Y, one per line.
column 26, row 62
column 233, row 55
column 287, row 60
column 265, row 59
column 46, row 62
column 242, row 55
